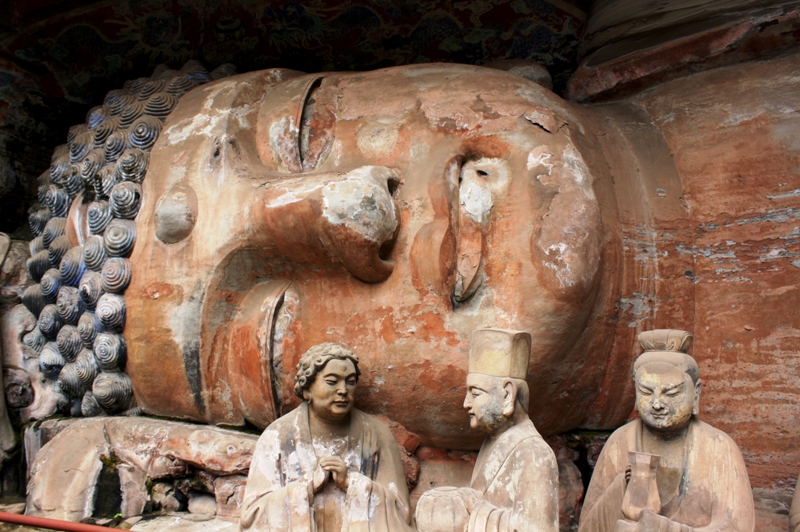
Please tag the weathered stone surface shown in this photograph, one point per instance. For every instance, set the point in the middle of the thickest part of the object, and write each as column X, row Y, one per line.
column 229, row 493
column 634, row 45
column 733, row 133
column 773, row 510
column 202, row 503
column 163, row 497
column 143, row 448
column 570, row 495
column 185, row 522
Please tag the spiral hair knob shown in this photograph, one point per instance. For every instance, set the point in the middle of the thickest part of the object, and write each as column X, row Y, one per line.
column 116, row 275
column 90, row 288
column 180, row 85
column 96, row 116
column 38, row 265
column 70, row 382
column 33, row 299
column 160, row 105
column 69, row 342
column 58, row 248
column 125, row 199
column 35, row 340
column 145, row 131
column 54, row 228
column 113, row 391
column 69, row 304
column 86, row 367
column 111, row 312
column 51, row 361
column 72, row 266
column 115, row 144
column 94, row 253
column 132, row 165
column 89, row 327
column 110, row 352
column 98, row 217
column 119, row 238
column 80, row 146
column 105, row 180
column 38, row 220
column 57, row 201
column 130, row 114
column 50, row 285
column 116, row 100
column 90, row 407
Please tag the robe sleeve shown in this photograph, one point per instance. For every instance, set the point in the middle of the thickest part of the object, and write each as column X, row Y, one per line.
column 270, row 502
column 379, row 504
column 602, row 506
column 530, row 475
column 733, row 509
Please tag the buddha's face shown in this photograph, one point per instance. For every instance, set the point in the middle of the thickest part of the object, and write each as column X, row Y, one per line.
column 666, row 397
column 331, row 394
column 394, row 212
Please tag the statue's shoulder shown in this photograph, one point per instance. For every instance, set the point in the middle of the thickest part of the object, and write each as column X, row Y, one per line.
column 703, row 432
column 287, row 422
column 625, row 436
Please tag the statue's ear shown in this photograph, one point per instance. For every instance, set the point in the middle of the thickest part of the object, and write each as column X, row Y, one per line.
column 509, row 398
column 568, row 243
column 307, row 395
column 698, row 387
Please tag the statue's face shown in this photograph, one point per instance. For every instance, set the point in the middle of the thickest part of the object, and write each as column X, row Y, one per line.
column 666, row 397
column 484, row 402
column 331, row 395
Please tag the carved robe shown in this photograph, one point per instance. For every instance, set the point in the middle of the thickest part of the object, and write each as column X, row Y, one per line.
column 278, row 495
column 517, row 474
column 714, row 493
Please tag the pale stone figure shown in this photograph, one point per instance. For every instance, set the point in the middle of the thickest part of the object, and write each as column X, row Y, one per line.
column 326, row 466
column 514, row 484
column 668, row 471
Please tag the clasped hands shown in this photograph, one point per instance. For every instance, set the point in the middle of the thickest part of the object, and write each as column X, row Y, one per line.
column 330, row 467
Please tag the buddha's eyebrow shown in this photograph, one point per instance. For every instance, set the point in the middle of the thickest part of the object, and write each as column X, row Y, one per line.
column 675, row 387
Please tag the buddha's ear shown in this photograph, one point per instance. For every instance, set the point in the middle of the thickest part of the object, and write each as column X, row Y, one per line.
column 307, row 396
column 568, row 244
column 509, row 398
column 698, row 387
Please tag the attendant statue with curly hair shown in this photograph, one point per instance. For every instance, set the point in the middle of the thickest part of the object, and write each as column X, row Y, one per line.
column 326, row 466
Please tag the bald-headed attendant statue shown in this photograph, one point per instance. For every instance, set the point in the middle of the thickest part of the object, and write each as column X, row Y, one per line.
column 668, row 471
column 514, row 484
column 326, row 466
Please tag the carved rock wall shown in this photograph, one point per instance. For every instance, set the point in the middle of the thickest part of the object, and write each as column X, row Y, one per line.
column 734, row 135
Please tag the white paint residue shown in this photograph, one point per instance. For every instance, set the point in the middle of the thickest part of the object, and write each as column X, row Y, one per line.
column 560, row 264
column 278, row 131
column 361, row 201
column 539, row 159
column 574, row 163
column 475, row 197
column 200, row 124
